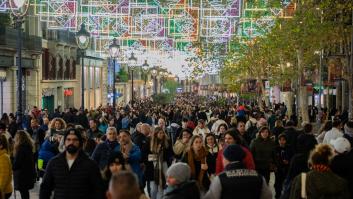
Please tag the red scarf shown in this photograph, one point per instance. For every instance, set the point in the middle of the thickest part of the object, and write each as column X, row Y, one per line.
column 320, row 168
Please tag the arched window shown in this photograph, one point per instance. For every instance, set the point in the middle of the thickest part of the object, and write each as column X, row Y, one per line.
column 67, row 69
column 61, row 69
column 52, row 67
column 73, row 69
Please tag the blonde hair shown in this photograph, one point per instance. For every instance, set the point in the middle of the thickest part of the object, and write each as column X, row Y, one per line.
column 22, row 138
column 154, row 140
column 62, row 122
column 321, row 154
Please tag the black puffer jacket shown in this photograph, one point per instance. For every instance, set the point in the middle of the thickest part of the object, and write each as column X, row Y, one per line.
column 188, row 190
column 82, row 181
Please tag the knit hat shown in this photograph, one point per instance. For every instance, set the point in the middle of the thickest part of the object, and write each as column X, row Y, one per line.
column 180, row 171
column 341, row 145
column 76, row 132
column 233, row 153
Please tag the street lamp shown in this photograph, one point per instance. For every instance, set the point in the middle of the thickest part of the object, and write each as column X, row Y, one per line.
column 2, row 79
column 19, row 10
column 114, row 51
column 154, row 74
column 82, row 40
column 133, row 62
column 163, row 77
column 145, row 67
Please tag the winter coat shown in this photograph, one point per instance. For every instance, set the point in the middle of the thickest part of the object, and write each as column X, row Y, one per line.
column 5, row 173
column 248, row 160
column 82, row 181
column 292, row 136
column 134, row 161
column 238, row 182
column 47, row 151
column 187, row 190
column 342, row 165
column 102, row 152
column 179, row 148
column 23, row 168
column 321, row 185
column 263, row 151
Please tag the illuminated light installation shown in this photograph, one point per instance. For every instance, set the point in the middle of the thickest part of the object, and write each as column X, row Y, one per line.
column 168, row 28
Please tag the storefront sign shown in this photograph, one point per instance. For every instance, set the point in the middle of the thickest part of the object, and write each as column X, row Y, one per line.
column 68, row 92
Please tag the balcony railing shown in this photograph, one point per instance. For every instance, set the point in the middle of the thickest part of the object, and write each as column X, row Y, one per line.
column 8, row 38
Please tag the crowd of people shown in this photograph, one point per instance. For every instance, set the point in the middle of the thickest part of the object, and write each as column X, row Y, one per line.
column 191, row 148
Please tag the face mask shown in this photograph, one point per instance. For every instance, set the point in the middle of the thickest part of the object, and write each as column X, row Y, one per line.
column 71, row 149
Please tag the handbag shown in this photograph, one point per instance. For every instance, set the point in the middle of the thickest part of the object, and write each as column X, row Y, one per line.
column 303, row 187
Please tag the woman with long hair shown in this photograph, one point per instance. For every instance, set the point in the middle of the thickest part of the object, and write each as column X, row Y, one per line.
column 322, row 132
column 212, row 148
column 6, row 170
column 56, row 126
column 222, row 128
column 116, row 163
column 182, row 142
column 23, row 164
column 320, row 181
column 160, row 152
column 195, row 157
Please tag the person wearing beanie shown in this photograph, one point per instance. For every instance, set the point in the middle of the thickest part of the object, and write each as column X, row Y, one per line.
column 342, row 163
column 236, row 180
column 179, row 183
column 320, row 181
column 72, row 174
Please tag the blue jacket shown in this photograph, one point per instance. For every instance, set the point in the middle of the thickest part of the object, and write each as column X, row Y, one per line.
column 134, row 161
column 47, row 151
column 125, row 123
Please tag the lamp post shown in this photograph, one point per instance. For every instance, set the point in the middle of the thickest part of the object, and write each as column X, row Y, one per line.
column 145, row 67
column 163, row 76
column 154, row 73
column 2, row 79
column 133, row 61
column 19, row 10
column 82, row 40
column 114, row 51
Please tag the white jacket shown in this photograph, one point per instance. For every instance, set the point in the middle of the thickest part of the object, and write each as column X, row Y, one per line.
column 332, row 134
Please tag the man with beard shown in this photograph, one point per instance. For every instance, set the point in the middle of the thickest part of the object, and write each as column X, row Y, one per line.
column 71, row 174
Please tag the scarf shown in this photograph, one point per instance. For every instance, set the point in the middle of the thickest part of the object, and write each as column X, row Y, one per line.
column 159, row 176
column 212, row 149
column 200, row 156
column 320, row 168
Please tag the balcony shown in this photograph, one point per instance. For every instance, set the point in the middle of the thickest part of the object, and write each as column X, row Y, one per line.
column 8, row 39
column 63, row 36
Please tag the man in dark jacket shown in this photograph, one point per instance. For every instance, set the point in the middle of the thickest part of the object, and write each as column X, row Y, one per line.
column 71, row 174
column 236, row 180
column 291, row 135
column 179, row 184
column 93, row 131
column 103, row 150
